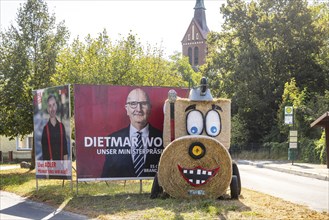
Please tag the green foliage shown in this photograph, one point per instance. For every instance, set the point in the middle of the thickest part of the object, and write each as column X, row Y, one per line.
column 27, row 61
column 125, row 62
column 306, row 107
column 276, row 149
column 319, row 104
column 239, row 131
column 264, row 45
column 307, row 151
column 181, row 66
column 321, row 13
column 34, row 55
column 269, row 54
column 291, row 97
column 320, row 148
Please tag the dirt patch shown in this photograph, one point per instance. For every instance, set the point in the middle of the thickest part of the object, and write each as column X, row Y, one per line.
column 262, row 206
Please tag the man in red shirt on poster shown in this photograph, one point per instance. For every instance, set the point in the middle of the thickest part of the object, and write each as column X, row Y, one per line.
column 54, row 143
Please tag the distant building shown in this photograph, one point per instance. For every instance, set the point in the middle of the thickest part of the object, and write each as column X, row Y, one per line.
column 17, row 149
column 194, row 41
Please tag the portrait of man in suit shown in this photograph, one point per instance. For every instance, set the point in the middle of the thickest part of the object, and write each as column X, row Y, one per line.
column 135, row 150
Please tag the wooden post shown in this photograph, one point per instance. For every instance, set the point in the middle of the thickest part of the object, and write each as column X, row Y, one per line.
column 172, row 96
column 323, row 121
column 327, row 142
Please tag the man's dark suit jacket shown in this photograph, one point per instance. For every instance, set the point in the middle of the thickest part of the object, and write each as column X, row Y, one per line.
column 121, row 165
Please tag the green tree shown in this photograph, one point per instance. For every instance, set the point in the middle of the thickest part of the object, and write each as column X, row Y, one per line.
column 263, row 45
column 180, row 66
column 124, row 62
column 292, row 96
column 27, row 61
column 84, row 62
column 321, row 13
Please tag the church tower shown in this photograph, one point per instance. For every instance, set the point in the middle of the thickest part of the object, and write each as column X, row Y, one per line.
column 194, row 41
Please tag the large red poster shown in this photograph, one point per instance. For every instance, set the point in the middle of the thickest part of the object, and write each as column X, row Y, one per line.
column 119, row 130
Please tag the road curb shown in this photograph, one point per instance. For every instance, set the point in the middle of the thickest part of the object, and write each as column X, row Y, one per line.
column 285, row 170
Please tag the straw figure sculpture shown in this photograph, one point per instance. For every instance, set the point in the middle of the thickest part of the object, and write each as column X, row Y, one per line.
column 204, row 106
column 196, row 163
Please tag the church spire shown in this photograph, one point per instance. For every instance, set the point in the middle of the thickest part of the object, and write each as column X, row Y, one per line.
column 195, row 39
column 199, row 4
column 200, row 15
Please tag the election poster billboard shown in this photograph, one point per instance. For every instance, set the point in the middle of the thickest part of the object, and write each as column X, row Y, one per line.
column 118, row 130
column 52, row 132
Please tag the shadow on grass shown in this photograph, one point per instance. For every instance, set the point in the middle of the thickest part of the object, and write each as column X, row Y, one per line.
column 126, row 204
column 15, row 177
column 121, row 199
column 118, row 198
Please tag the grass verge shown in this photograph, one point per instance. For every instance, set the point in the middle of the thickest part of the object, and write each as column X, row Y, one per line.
column 122, row 200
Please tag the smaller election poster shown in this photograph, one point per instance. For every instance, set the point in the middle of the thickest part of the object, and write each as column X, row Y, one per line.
column 52, row 132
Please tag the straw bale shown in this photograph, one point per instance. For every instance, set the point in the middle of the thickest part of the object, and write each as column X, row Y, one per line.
column 177, row 153
column 204, row 106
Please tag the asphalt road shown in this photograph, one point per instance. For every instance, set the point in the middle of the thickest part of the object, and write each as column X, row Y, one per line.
column 13, row 207
column 307, row 191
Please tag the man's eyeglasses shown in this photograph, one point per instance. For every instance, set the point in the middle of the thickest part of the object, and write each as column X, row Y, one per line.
column 134, row 104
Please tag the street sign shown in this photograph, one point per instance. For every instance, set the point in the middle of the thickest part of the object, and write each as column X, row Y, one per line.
column 293, row 133
column 293, row 145
column 288, row 115
column 288, row 119
column 288, row 110
column 293, row 139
